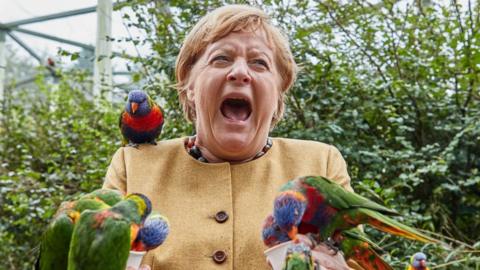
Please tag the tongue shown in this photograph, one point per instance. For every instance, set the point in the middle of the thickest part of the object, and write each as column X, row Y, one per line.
column 235, row 112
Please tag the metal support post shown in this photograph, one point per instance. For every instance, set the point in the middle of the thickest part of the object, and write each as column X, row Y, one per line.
column 102, row 71
column 3, row 63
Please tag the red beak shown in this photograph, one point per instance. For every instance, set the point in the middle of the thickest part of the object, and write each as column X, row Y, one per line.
column 423, row 263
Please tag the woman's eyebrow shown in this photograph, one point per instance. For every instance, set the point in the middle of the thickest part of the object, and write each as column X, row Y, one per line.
column 226, row 47
column 255, row 52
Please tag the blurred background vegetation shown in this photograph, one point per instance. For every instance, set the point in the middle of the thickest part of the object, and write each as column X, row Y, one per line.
column 393, row 84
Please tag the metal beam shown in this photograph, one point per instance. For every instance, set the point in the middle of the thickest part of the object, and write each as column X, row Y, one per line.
column 32, row 53
column 25, row 46
column 52, row 16
column 56, row 16
column 61, row 40
column 13, row 85
column 58, row 39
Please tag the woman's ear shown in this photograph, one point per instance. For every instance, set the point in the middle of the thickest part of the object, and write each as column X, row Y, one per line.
column 190, row 94
column 190, row 102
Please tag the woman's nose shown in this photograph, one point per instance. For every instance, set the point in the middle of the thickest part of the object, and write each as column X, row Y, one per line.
column 239, row 73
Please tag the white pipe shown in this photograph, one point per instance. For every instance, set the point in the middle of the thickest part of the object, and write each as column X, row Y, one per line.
column 3, row 63
column 102, row 71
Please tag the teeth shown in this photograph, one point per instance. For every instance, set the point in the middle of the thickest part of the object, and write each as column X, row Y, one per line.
column 236, row 109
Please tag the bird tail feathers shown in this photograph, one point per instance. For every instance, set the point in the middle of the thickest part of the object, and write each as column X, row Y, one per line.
column 389, row 225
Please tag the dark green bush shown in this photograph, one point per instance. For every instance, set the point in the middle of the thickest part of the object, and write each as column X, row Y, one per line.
column 54, row 146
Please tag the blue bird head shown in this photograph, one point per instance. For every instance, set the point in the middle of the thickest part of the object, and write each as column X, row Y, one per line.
column 137, row 103
column 154, row 232
column 288, row 210
column 272, row 235
column 419, row 261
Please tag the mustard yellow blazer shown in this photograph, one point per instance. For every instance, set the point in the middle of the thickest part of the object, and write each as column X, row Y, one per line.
column 216, row 210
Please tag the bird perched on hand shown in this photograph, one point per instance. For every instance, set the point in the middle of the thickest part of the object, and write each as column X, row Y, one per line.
column 353, row 243
column 299, row 257
column 418, row 261
column 55, row 241
column 152, row 234
column 325, row 208
column 141, row 120
column 102, row 239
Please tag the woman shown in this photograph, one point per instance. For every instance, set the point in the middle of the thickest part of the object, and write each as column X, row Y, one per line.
column 217, row 187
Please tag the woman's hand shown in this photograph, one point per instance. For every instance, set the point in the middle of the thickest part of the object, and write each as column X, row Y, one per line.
column 142, row 267
column 329, row 259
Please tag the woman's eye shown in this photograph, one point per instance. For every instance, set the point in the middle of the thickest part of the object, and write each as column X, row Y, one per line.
column 260, row 62
column 220, row 58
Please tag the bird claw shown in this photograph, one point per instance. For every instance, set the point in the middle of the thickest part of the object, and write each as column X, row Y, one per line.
column 134, row 145
column 313, row 238
column 153, row 143
column 332, row 245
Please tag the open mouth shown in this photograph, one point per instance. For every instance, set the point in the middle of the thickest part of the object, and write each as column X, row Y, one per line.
column 236, row 109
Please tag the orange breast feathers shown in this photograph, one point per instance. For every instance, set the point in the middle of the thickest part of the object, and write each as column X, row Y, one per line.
column 144, row 123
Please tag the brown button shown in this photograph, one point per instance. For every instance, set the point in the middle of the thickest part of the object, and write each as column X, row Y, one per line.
column 221, row 216
column 219, row 256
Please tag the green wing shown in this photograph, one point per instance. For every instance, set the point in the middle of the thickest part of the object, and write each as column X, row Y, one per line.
column 340, row 198
column 108, row 196
column 100, row 241
column 55, row 243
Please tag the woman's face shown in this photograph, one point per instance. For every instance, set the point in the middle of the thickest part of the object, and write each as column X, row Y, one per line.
column 234, row 87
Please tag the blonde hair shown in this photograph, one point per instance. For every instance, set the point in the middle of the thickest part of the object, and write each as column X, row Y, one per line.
column 218, row 24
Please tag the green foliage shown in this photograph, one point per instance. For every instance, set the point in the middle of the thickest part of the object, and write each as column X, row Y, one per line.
column 53, row 147
column 395, row 86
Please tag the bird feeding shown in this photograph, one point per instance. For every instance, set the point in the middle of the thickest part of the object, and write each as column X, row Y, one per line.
column 317, row 206
column 100, row 230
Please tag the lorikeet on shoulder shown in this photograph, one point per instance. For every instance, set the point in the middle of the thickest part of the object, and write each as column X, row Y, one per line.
column 141, row 120
column 418, row 261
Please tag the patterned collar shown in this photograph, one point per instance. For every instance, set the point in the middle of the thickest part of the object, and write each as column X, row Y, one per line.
column 195, row 152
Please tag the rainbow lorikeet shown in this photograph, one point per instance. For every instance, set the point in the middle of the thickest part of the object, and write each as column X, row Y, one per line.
column 141, row 120
column 418, row 261
column 299, row 257
column 353, row 243
column 102, row 239
column 320, row 206
column 55, row 241
column 152, row 233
